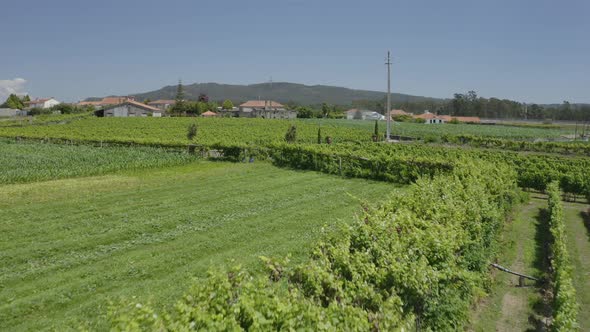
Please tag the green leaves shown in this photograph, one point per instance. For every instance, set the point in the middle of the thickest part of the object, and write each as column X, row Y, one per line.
column 565, row 306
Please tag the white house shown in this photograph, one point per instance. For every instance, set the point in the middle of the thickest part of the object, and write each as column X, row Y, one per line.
column 266, row 109
column 356, row 114
column 42, row 103
column 131, row 108
column 435, row 120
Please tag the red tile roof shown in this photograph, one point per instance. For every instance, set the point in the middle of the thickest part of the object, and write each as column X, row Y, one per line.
column 106, row 101
column 38, row 101
column 399, row 112
column 209, row 113
column 136, row 104
column 426, row 116
column 162, row 102
column 261, row 103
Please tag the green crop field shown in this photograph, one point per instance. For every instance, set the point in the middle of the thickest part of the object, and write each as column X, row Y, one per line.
column 28, row 162
column 68, row 246
column 423, row 130
column 231, row 130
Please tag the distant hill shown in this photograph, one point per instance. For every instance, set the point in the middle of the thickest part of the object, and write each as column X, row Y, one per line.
column 280, row 91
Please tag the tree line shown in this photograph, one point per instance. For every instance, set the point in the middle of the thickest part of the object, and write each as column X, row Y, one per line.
column 470, row 104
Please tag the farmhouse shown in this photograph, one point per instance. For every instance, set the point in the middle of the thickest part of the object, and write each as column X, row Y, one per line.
column 266, row 109
column 357, row 114
column 107, row 101
column 252, row 105
column 131, row 108
column 162, row 104
column 431, row 118
column 42, row 103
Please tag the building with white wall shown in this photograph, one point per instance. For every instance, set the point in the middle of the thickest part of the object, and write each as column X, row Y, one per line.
column 42, row 103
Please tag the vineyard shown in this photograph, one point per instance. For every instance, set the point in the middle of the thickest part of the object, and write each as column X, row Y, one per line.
column 248, row 132
column 415, row 260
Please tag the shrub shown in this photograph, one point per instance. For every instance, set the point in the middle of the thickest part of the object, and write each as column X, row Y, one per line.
column 291, row 135
column 191, row 132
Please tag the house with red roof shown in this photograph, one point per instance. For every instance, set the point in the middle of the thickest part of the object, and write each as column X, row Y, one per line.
column 162, row 104
column 265, row 109
column 131, row 108
column 106, row 101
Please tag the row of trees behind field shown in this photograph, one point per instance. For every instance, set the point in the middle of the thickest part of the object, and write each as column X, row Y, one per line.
column 470, row 104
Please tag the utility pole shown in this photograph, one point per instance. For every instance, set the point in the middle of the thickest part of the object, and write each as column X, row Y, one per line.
column 388, row 107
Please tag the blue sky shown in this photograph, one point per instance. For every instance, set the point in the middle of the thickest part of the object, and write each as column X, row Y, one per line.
column 532, row 51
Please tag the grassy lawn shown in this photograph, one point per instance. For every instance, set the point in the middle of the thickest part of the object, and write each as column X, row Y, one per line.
column 68, row 246
column 577, row 220
column 509, row 307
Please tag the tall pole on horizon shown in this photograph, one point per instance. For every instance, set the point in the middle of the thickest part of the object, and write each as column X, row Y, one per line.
column 388, row 107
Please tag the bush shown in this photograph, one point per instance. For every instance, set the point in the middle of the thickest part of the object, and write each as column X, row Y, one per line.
column 291, row 135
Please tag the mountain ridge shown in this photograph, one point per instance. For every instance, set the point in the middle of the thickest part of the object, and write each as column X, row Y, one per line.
column 283, row 92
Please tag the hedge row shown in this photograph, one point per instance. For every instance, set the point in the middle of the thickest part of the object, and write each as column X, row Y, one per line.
column 571, row 148
column 402, row 170
column 565, row 307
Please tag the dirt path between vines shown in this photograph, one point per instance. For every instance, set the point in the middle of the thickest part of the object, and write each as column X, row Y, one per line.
column 510, row 307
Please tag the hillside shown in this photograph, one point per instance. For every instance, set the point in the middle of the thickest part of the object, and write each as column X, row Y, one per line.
column 281, row 92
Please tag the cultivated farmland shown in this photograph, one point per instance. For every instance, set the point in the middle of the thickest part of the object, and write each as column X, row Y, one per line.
column 118, row 210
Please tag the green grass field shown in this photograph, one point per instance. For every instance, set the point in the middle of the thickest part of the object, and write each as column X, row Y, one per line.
column 68, row 246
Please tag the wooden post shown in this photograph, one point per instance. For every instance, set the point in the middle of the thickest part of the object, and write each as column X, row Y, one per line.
column 521, row 282
column 340, row 165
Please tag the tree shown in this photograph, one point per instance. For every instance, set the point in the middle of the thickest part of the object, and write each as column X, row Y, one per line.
column 65, row 108
column 203, row 98
column 319, row 135
column 304, row 112
column 191, row 131
column 227, row 105
column 291, row 135
column 147, row 101
column 13, row 101
column 212, row 106
column 179, row 104
column 376, row 128
column 326, row 110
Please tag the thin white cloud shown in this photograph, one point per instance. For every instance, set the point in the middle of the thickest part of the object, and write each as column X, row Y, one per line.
column 16, row 86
